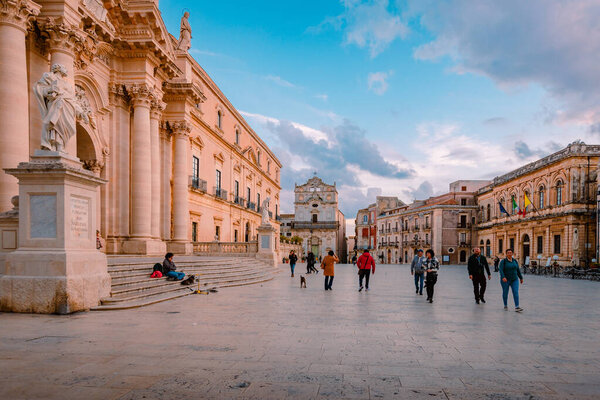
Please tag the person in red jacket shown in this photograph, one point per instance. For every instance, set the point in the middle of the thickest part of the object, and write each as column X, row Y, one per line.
column 365, row 264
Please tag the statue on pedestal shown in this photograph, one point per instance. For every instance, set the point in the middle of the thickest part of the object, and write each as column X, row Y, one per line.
column 266, row 219
column 59, row 108
column 185, row 33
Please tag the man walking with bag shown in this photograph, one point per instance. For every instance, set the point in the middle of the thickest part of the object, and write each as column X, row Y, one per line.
column 476, row 266
column 365, row 264
column 416, row 269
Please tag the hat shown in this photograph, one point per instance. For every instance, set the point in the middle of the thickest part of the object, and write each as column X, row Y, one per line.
column 420, row 250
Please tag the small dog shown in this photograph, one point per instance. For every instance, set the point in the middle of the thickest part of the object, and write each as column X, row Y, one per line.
column 302, row 282
column 188, row 281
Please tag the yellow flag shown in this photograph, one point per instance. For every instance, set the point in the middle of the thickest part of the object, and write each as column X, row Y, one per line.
column 527, row 201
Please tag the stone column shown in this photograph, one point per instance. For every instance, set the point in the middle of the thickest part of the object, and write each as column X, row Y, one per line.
column 166, row 167
column 155, row 164
column 181, row 210
column 141, row 175
column 14, row 101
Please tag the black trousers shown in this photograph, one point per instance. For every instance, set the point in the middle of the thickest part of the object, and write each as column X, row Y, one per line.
column 328, row 282
column 364, row 273
column 479, row 285
column 430, row 281
column 311, row 268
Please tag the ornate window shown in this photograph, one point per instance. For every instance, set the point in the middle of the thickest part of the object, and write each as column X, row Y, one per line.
column 220, row 119
column 489, row 212
column 541, row 199
column 559, row 188
column 237, row 136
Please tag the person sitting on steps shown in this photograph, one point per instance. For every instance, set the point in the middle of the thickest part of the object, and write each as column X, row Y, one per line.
column 170, row 270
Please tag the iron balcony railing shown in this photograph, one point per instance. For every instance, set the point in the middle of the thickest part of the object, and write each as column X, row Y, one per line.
column 239, row 200
column 251, row 206
column 197, row 184
column 278, row 217
column 220, row 193
column 315, row 225
column 395, row 230
column 463, row 225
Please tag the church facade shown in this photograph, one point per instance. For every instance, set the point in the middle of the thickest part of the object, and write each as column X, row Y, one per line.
column 182, row 165
column 317, row 219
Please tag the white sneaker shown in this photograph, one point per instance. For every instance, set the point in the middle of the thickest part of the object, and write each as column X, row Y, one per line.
column 518, row 309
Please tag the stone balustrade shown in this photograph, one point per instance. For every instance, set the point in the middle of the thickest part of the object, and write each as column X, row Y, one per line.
column 239, row 248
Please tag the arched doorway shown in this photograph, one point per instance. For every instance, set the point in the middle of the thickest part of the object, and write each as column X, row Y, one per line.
column 247, row 233
column 405, row 257
column 462, row 256
column 389, row 256
column 526, row 247
column 488, row 248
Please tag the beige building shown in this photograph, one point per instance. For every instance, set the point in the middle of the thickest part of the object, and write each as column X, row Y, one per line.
column 366, row 221
column 561, row 222
column 443, row 223
column 182, row 164
column 317, row 219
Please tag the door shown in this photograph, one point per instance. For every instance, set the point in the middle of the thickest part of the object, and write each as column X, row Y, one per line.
column 389, row 257
column 525, row 255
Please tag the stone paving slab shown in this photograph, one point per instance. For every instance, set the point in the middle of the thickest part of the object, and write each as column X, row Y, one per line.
column 278, row 341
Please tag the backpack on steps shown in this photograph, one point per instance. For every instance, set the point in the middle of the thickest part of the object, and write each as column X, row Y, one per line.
column 158, row 267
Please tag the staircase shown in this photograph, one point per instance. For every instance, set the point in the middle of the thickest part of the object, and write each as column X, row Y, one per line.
column 131, row 285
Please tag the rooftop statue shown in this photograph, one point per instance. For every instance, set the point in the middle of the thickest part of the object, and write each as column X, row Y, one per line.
column 59, row 108
column 185, row 33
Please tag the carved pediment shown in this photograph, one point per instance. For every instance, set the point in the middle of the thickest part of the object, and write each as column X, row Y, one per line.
column 219, row 157
column 197, row 141
column 250, row 154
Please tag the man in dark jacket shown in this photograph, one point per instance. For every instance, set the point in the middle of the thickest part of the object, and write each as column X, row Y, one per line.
column 365, row 264
column 476, row 266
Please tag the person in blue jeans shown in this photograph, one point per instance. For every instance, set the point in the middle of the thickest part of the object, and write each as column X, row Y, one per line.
column 293, row 259
column 510, row 276
column 416, row 269
column 169, row 268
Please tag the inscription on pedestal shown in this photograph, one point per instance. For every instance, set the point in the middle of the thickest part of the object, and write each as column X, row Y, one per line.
column 80, row 217
column 265, row 243
column 42, row 212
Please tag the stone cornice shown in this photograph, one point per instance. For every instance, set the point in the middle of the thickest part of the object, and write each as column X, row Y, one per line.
column 180, row 128
column 61, row 36
column 18, row 13
column 511, row 221
column 181, row 91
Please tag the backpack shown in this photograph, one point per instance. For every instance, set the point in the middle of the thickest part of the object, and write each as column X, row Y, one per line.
column 158, row 267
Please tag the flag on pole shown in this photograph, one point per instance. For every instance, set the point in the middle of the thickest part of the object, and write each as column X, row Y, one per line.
column 529, row 203
column 502, row 209
column 515, row 206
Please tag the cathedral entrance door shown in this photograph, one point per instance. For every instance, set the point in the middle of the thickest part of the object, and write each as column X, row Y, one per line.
column 315, row 250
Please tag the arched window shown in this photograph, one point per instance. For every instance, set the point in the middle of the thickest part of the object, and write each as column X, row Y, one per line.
column 559, row 188
column 237, row 136
column 258, row 157
column 489, row 212
column 542, row 195
column 365, row 219
column 219, row 119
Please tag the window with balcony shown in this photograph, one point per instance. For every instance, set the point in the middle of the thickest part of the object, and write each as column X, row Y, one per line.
column 559, row 188
column 218, row 181
column 195, row 168
column 248, row 197
column 217, row 232
column 556, row 244
column 258, row 201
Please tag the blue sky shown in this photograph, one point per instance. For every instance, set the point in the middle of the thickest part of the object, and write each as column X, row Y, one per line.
column 403, row 97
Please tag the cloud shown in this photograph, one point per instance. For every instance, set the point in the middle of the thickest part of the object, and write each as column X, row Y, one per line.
column 422, row 192
column 377, row 82
column 323, row 97
column 523, row 151
column 342, row 154
column 280, row 81
column 373, row 24
column 496, row 121
column 553, row 43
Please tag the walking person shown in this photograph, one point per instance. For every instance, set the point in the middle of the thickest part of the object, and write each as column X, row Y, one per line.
column 365, row 264
column 476, row 265
column 293, row 258
column 327, row 265
column 310, row 263
column 510, row 276
column 432, row 266
column 416, row 269
column 170, row 270
column 496, row 262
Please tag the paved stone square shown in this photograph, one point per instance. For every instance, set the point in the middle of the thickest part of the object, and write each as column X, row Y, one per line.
column 276, row 341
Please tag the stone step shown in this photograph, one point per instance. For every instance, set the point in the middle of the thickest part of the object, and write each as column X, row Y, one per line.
column 153, row 283
column 142, row 266
column 167, row 296
column 174, row 287
column 127, row 279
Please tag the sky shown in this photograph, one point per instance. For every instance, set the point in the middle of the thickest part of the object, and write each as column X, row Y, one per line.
column 401, row 98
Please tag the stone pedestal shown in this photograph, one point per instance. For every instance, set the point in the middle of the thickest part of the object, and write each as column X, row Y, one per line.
column 266, row 244
column 144, row 247
column 56, row 267
column 180, row 247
